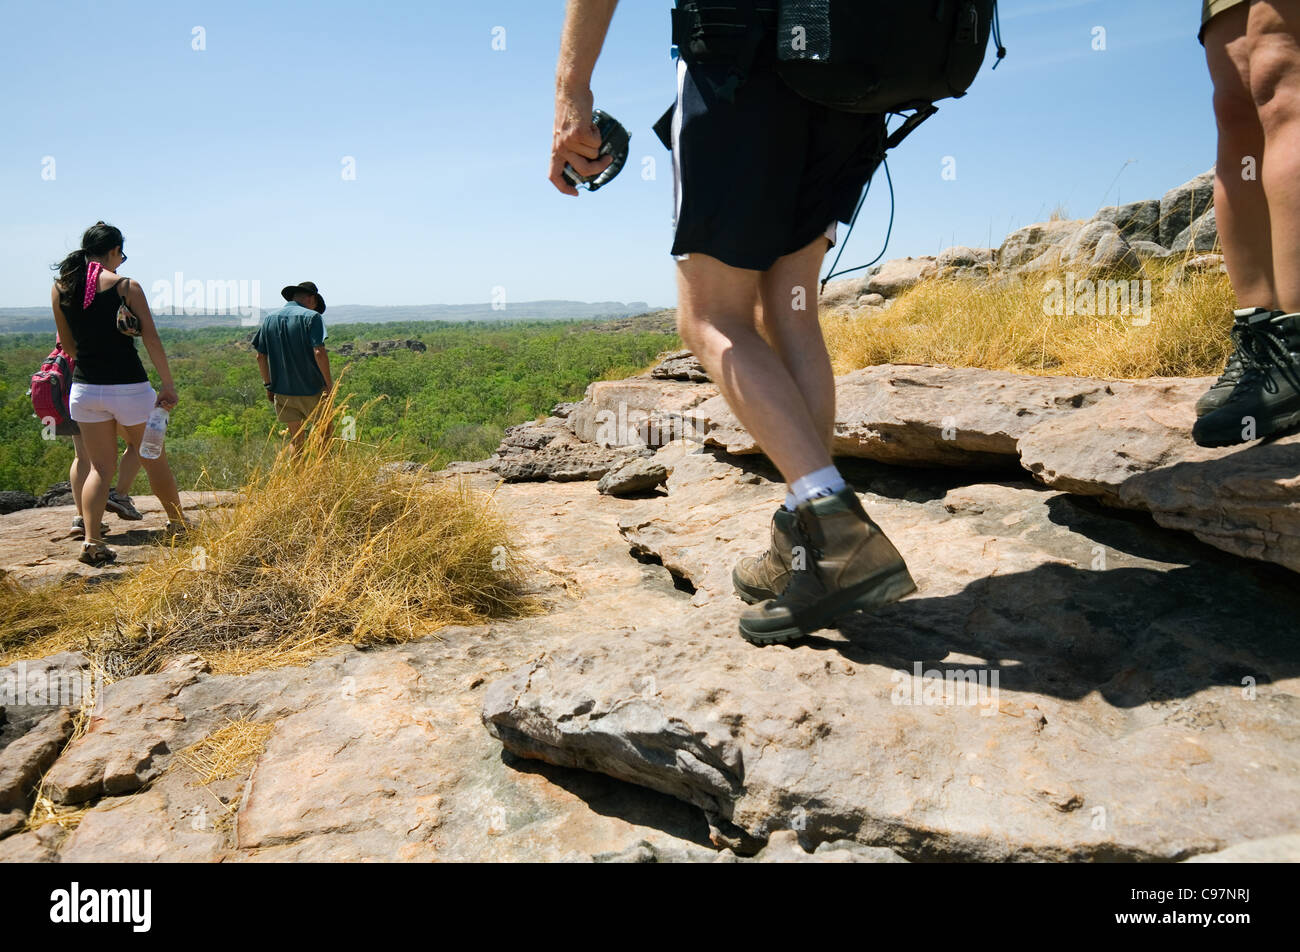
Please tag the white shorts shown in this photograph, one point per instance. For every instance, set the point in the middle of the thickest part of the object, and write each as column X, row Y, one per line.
column 127, row 403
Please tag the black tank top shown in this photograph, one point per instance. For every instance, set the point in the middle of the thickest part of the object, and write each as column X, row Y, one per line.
column 104, row 354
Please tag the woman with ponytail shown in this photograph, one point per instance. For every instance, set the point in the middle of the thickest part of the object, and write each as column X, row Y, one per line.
column 109, row 383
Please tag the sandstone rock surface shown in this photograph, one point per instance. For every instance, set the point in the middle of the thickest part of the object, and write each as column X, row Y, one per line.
column 1115, row 733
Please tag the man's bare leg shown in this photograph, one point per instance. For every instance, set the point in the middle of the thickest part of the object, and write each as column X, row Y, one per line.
column 1274, row 38
column 789, row 322
column 1240, row 202
column 715, row 319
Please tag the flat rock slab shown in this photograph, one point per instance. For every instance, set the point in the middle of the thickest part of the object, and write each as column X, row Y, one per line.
column 1145, row 705
column 37, row 545
column 1126, row 442
column 379, row 754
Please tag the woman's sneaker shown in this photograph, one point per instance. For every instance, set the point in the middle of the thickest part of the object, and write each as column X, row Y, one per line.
column 1266, row 400
column 841, row 563
column 758, row 578
column 96, row 554
column 1222, row 388
column 121, row 506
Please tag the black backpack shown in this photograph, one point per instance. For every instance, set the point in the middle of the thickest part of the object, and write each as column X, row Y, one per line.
column 873, row 56
column 863, row 56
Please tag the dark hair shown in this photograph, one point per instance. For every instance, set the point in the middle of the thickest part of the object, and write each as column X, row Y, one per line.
column 98, row 240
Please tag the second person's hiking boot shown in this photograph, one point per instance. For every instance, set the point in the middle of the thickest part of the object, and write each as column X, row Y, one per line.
column 1266, row 400
column 841, row 563
column 759, row 577
column 1219, row 391
column 122, row 506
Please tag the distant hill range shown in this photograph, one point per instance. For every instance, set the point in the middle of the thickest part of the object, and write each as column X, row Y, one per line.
column 39, row 319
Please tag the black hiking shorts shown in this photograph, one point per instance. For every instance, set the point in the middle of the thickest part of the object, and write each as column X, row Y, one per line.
column 761, row 174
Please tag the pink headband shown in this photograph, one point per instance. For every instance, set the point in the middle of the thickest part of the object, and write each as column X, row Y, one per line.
column 92, row 283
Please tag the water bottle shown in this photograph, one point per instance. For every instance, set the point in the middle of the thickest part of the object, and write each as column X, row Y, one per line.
column 152, row 445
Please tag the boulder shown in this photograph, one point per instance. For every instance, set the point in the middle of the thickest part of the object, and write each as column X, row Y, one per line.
column 637, row 412
column 531, row 435
column 1136, row 221
column 901, row 274
column 871, row 300
column 1183, row 205
column 562, row 462
column 1149, row 249
column 1032, row 242
column 679, row 365
column 1201, row 264
column 960, row 256
column 60, row 494
column 131, row 729
column 1201, row 235
column 1125, row 442
column 635, row 476
column 12, row 500
column 978, row 272
column 926, row 416
column 842, row 292
column 1099, row 249
column 24, row 762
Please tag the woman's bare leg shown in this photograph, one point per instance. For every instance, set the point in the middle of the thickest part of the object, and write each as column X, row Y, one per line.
column 78, row 471
column 129, row 466
column 100, row 440
column 161, row 480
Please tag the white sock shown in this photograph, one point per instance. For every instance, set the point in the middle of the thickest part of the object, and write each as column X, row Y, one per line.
column 824, row 482
column 790, row 502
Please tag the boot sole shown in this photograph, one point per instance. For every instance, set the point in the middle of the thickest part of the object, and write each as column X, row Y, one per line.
column 866, row 596
column 1275, row 427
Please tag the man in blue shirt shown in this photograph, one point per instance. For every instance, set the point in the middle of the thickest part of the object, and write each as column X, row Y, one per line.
column 291, row 355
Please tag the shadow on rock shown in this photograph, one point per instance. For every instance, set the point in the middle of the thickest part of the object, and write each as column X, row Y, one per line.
column 1134, row 635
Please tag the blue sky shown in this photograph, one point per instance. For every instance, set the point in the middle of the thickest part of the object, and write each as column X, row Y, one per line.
column 225, row 163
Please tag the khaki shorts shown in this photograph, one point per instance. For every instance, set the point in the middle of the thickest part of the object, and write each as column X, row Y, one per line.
column 1211, row 9
column 292, row 408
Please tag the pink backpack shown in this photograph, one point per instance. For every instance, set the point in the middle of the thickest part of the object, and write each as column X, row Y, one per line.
column 51, row 387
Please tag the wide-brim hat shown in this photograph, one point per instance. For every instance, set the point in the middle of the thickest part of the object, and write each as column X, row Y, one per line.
column 308, row 287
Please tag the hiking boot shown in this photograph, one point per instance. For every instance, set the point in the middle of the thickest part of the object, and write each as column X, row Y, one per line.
column 841, row 562
column 758, row 578
column 121, row 506
column 1266, row 400
column 96, row 554
column 1219, row 391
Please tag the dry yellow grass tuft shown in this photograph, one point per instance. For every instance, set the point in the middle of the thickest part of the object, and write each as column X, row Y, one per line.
column 227, row 753
column 326, row 548
column 1006, row 327
column 46, row 812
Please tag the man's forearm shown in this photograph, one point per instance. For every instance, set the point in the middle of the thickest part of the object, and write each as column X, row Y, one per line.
column 264, row 366
column 585, row 24
column 323, row 362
